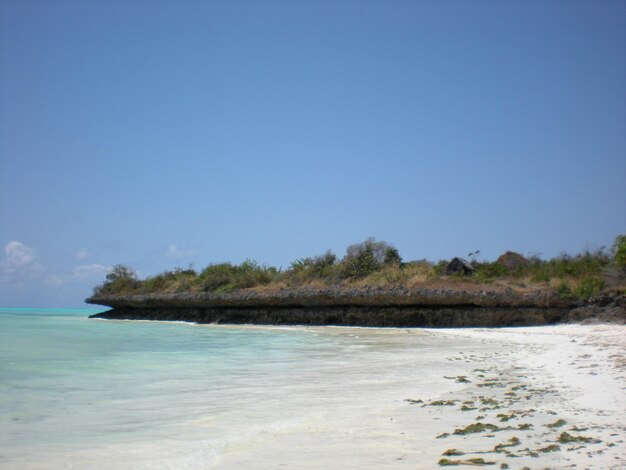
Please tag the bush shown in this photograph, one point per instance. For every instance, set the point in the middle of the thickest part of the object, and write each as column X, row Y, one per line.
column 588, row 286
column 121, row 279
column 215, row 276
column 619, row 251
column 362, row 259
column 439, row 268
column 320, row 267
column 225, row 277
column 566, row 266
column 488, row 272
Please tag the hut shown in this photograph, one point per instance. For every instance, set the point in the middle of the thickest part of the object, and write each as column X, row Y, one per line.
column 459, row 265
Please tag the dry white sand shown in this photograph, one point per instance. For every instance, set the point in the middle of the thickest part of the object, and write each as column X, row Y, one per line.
column 559, row 379
column 546, row 397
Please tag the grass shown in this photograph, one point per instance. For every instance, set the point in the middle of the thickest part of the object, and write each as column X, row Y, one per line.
column 376, row 263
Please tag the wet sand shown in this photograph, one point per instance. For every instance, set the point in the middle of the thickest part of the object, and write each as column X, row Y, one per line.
column 541, row 397
column 374, row 398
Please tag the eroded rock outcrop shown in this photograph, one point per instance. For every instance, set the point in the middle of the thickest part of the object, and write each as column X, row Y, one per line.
column 438, row 306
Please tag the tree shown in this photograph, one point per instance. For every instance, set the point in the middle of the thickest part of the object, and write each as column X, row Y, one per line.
column 362, row 259
column 121, row 272
column 619, row 251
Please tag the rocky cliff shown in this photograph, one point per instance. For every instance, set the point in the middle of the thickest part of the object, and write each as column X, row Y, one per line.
column 463, row 305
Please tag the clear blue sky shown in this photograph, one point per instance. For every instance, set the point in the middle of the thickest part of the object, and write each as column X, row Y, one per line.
column 163, row 133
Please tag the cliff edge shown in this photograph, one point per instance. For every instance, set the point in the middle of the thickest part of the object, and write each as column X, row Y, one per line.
column 433, row 306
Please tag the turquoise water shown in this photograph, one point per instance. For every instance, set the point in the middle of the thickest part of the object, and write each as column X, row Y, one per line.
column 83, row 393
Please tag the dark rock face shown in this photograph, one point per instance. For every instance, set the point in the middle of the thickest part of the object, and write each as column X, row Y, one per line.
column 601, row 308
column 459, row 265
column 366, row 306
column 351, row 316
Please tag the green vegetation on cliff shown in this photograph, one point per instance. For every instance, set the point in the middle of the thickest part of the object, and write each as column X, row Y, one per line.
column 378, row 263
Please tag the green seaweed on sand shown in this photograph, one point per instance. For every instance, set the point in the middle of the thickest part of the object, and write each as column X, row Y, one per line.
column 577, row 429
column 557, row 424
column 550, row 448
column 476, row 427
column 462, row 379
column 474, row 461
column 489, row 401
column 566, row 438
column 414, row 402
column 453, row 453
column 468, row 408
column 514, row 441
column 442, row 403
column 504, row 417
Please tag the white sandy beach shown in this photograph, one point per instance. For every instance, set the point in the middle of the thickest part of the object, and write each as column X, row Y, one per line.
column 392, row 399
column 538, row 382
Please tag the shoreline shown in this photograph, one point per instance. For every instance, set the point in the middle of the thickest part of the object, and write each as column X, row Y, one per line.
column 357, row 397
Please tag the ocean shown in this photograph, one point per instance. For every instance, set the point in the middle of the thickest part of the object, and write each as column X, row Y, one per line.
column 79, row 393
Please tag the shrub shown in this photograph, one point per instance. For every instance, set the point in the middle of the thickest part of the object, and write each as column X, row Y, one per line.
column 215, row 276
column 439, row 268
column 566, row 266
column 121, row 279
column 320, row 267
column 563, row 289
column 362, row 259
column 489, row 271
column 588, row 287
column 226, row 277
column 619, row 251
column 392, row 257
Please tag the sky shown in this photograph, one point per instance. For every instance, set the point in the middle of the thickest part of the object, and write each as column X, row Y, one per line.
column 163, row 134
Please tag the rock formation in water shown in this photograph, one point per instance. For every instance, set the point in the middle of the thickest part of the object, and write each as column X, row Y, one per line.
column 473, row 305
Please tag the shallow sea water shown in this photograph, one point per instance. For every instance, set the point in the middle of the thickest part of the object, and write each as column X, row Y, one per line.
column 81, row 393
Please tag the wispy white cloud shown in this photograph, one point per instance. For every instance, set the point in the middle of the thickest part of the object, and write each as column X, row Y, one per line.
column 82, row 254
column 174, row 252
column 19, row 263
column 83, row 272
